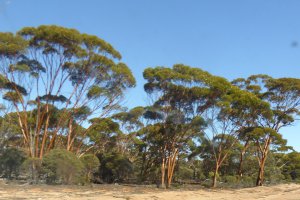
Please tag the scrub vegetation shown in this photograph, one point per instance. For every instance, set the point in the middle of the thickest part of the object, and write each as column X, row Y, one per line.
column 63, row 122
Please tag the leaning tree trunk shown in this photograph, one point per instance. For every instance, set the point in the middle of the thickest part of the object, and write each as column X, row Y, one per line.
column 69, row 138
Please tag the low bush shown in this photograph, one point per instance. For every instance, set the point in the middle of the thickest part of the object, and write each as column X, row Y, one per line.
column 62, row 167
column 11, row 160
column 115, row 167
column 32, row 169
column 230, row 179
column 90, row 166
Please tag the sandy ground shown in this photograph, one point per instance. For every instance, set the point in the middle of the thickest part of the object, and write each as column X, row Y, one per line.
column 106, row 192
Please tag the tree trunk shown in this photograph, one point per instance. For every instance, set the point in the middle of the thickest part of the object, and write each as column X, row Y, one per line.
column 163, row 171
column 240, row 170
column 262, row 161
column 45, row 136
column 69, row 141
column 33, row 172
column 214, row 184
column 32, row 144
column 171, row 167
column 260, row 177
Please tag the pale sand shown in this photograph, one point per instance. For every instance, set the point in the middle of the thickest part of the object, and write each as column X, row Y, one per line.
column 106, row 192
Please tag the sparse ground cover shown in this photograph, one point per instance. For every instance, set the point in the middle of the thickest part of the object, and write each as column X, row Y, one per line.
column 106, row 192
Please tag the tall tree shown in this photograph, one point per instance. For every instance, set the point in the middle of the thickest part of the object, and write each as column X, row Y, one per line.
column 179, row 95
column 55, row 68
column 195, row 94
column 235, row 109
column 283, row 95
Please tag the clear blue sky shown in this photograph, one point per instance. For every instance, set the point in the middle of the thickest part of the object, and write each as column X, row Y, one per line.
column 232, row 38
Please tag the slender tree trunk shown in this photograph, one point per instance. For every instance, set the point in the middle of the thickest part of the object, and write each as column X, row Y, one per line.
column 51, row 143
column 45, row 136
column 171, row 167
column 32, row 144
column 163, row 171
column 214, row 184
column 240, row 170
column 34, row 172
column 69, row 142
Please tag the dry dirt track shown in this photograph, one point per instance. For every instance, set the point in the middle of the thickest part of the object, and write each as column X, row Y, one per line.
column 106, row 192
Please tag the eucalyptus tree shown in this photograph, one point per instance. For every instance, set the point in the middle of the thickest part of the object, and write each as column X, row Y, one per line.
column 193, row 94
column 196, row 95
column 55, row 67
column 184, row 96
column 233, row 109
column 283, row 96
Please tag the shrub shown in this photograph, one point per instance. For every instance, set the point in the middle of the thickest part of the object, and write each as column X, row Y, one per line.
column 32, row 169
column 11, row 161
column 230, row 179
column 248, row 181
column 62, row 167
column 90, row 165
column 115, row 167
column 211, row 175
column 185, row 173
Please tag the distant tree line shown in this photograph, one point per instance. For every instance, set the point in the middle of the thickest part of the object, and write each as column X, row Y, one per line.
column 62, row 120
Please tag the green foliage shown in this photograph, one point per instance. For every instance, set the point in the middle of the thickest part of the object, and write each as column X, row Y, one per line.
column 211, row 175
column 115, row 167
column 11, row 45
column 32, row 169
column 91, row 165
column 11, row 160
column 230, row 179
column 94, row 92
column 81, row 113
column 130, row 120
column 103, row 133
column 190, row 170
column 62, row 167
column 247, row 181
column 13, row 97
column 290, row 164
column 77, row 45
column 185, row 173
column 53, row 98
